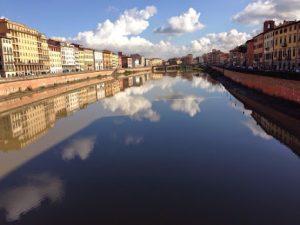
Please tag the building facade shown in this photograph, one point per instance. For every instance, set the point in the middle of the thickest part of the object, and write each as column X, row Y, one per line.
column 68, row 57
column 287, row 46
column 7, row 62
column 89, row 63
column 107, row 61
column 114, row 60
column 238, row 56
column 268, row 44
column 79, row 57
column 126, row 61
column 55, row 56
column 98, row 59
column 250, row 53
column 30, row 48
column 258, row 51
column 156, row 62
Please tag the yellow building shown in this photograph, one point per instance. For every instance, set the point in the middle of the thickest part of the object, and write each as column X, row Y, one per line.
column 89, row 63
column 30, row 48
column 287, row 46
column 114, row 61
column 55, row 56
column 79, row 57
column 156, row 62
column 107, row 55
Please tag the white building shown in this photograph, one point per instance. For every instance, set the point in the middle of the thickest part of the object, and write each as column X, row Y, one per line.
column 136, row 63
column 100, row 91
column 98, row 59
column 68, row 57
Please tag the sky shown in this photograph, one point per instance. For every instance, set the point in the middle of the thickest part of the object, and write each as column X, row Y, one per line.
column 156, row 28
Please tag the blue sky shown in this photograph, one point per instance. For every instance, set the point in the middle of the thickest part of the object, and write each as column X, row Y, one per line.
column 66, row 18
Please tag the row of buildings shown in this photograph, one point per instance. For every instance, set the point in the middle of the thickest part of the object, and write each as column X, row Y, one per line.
column 276, row 48
column 26, row 51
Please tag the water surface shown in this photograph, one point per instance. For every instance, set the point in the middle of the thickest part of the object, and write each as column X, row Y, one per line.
column 150, row 149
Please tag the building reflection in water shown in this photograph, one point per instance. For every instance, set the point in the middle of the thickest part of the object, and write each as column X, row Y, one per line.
column 266, row 121
column 22, row 126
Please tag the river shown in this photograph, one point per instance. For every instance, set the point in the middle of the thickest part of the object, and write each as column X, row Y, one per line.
column 150, row 149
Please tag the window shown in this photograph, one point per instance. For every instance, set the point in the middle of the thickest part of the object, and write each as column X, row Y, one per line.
column 294, row 52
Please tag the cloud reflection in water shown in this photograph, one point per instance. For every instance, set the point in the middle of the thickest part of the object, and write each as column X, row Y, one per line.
column 22, row 199
column 81, row 147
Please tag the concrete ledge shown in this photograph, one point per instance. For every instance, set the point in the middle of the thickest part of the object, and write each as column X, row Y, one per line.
column 15, row 85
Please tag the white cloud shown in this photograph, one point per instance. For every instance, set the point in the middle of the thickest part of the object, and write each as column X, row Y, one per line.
column 133, row 140
column 258, row 11
column 256, row 129
column 134, row 106
column 59, row 38
column 19, row 200
column 203, row 83
column 124, row 34
column 81, row 147
column 121, row 34
column 224, row 41
column 112, row 9
column 188, row 104
column 187, row 22
column 241, row 108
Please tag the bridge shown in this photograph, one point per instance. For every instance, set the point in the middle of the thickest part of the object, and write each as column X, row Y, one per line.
column 171, row 68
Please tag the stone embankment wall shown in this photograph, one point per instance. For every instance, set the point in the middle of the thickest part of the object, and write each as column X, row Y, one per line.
column 281, row 88
column 9, row 86
column 48, row 93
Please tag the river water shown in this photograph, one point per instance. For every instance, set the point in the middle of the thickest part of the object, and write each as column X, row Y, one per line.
column 150, row 149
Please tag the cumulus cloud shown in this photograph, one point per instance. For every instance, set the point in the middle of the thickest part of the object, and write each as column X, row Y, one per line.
column 133, row 140
column 124, row 34
column 81, row 147
column 19, row 200
column 188, row 104
column 223, row 41
column 187, row 22
column 203, row 83
column 258, row 11
column 134, row 106
column 120, row 34
column 257, row 130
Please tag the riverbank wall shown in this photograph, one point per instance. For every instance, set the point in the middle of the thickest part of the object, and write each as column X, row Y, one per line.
column 14, row 85
column 280, row 88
